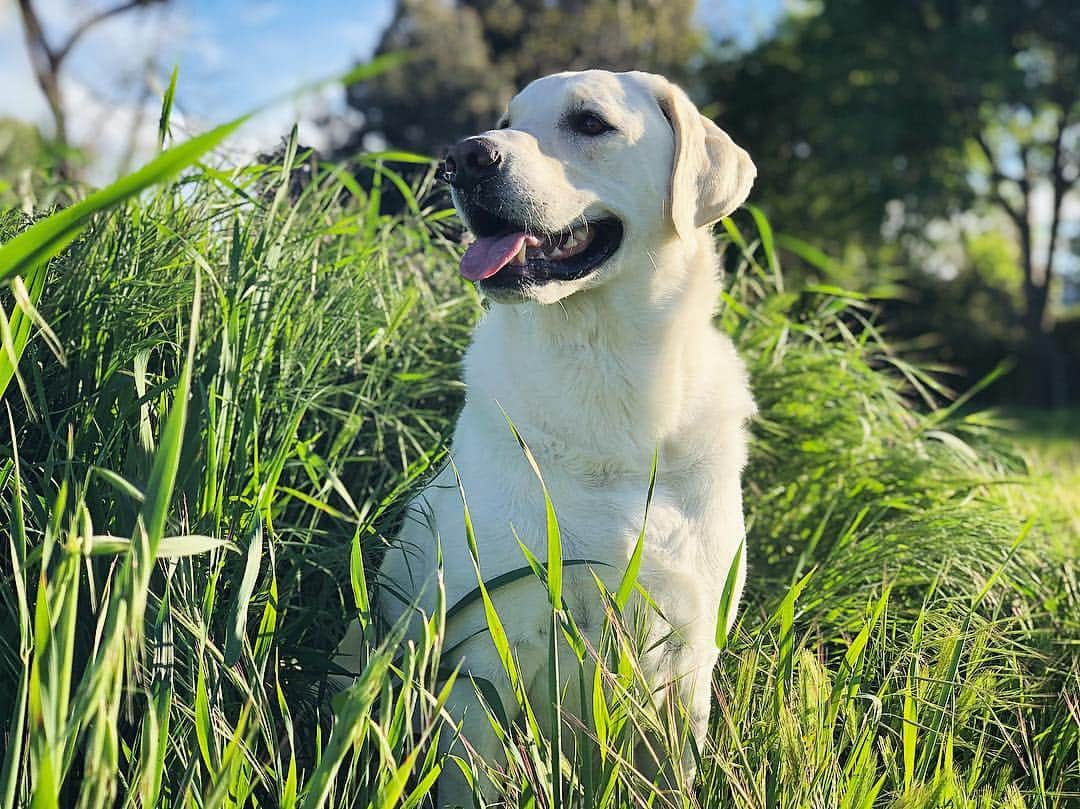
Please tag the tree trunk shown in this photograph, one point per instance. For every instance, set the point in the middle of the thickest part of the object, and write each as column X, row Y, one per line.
column 1043, row 372
column 47, row 72
column 1045, row 382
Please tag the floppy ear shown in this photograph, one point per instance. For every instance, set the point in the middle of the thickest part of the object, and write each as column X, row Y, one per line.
column 710, row 175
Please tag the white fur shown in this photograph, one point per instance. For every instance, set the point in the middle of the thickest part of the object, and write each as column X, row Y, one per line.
column 596, row 374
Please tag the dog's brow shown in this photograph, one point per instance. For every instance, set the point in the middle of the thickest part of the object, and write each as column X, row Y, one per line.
column 584, row 104
column 593, row 106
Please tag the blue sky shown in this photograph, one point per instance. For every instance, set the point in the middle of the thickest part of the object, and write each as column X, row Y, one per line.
column 233, row 55
column 244, row 51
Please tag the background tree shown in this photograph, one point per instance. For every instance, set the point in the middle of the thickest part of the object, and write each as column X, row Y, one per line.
column 447, row 85
column 470, row 56
column 929, row 108
column 47, row 58
column 1029, row 141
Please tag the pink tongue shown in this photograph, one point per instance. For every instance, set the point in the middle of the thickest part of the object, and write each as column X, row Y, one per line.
column 488, row 255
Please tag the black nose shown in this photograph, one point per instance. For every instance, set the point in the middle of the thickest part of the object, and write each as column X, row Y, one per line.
column 469, row 161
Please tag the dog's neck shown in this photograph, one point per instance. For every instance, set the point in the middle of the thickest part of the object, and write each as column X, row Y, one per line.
column 620, row 358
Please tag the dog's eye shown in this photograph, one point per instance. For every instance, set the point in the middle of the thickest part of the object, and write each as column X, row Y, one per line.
column 589, row 123
column 503, row 124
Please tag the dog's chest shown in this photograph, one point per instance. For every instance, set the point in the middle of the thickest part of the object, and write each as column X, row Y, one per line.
column 600, row 505
column 688, row 541
column 593, row 413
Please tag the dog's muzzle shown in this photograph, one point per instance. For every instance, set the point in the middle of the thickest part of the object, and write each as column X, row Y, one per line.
column 469, row 162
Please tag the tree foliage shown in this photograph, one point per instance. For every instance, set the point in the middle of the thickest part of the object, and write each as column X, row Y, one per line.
column 467, row 58
column 932, row 107
column 857, row 104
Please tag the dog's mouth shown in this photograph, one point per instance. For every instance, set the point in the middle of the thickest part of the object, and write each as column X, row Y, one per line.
column 508, row 254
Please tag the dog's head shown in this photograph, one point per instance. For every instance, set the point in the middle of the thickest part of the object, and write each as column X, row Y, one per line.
column 584, row 171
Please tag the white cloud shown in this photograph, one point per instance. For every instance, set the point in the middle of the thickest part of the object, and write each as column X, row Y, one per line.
column 265, row 131
column 125, row 134
column 118, row 135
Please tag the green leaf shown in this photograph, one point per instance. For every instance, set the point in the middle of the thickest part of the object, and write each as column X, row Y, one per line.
column 166, row 108
column 350, row 716
column 168, row 548
column 909, row 736
column 551, row 521
column 494, row 623
column 374, row 67
column 9, row 777
column 159, row 488
column 785, row 615
column 237, row 620
column 358, row 580
column 504, row 579
column 155, row 740
column 811, row 255
column 120, row 483
column 205, row 735
column 727, row 598
column 398, row 156
column 633, row 568
column 15, row 333
column 767, row 243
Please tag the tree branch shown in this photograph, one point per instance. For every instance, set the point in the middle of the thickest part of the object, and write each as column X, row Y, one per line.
column 1026, row 244
column 36, row 42
column 62, row 52
column 45, row 65
column 996, row 178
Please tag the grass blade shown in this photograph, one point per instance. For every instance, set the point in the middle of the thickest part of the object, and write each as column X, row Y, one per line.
column 238, row 611
column 727, row 598
column 44, row 239
column 166, row 108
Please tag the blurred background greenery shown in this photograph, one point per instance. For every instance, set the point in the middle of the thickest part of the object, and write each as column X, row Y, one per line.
column 929, row 150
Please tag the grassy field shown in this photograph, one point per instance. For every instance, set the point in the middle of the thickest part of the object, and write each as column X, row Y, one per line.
column 204, row 453
column 1050, row 442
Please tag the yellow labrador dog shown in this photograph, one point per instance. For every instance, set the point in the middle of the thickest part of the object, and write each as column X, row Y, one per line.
column 591, row 204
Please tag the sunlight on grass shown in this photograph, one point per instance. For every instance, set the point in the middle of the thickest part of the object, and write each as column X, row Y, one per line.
column 1050, row 443
column 255, row 384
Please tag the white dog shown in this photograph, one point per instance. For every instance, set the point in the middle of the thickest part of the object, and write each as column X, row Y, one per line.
column 591, row 205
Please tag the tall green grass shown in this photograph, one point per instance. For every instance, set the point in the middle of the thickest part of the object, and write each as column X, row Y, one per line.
column 194, row 500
